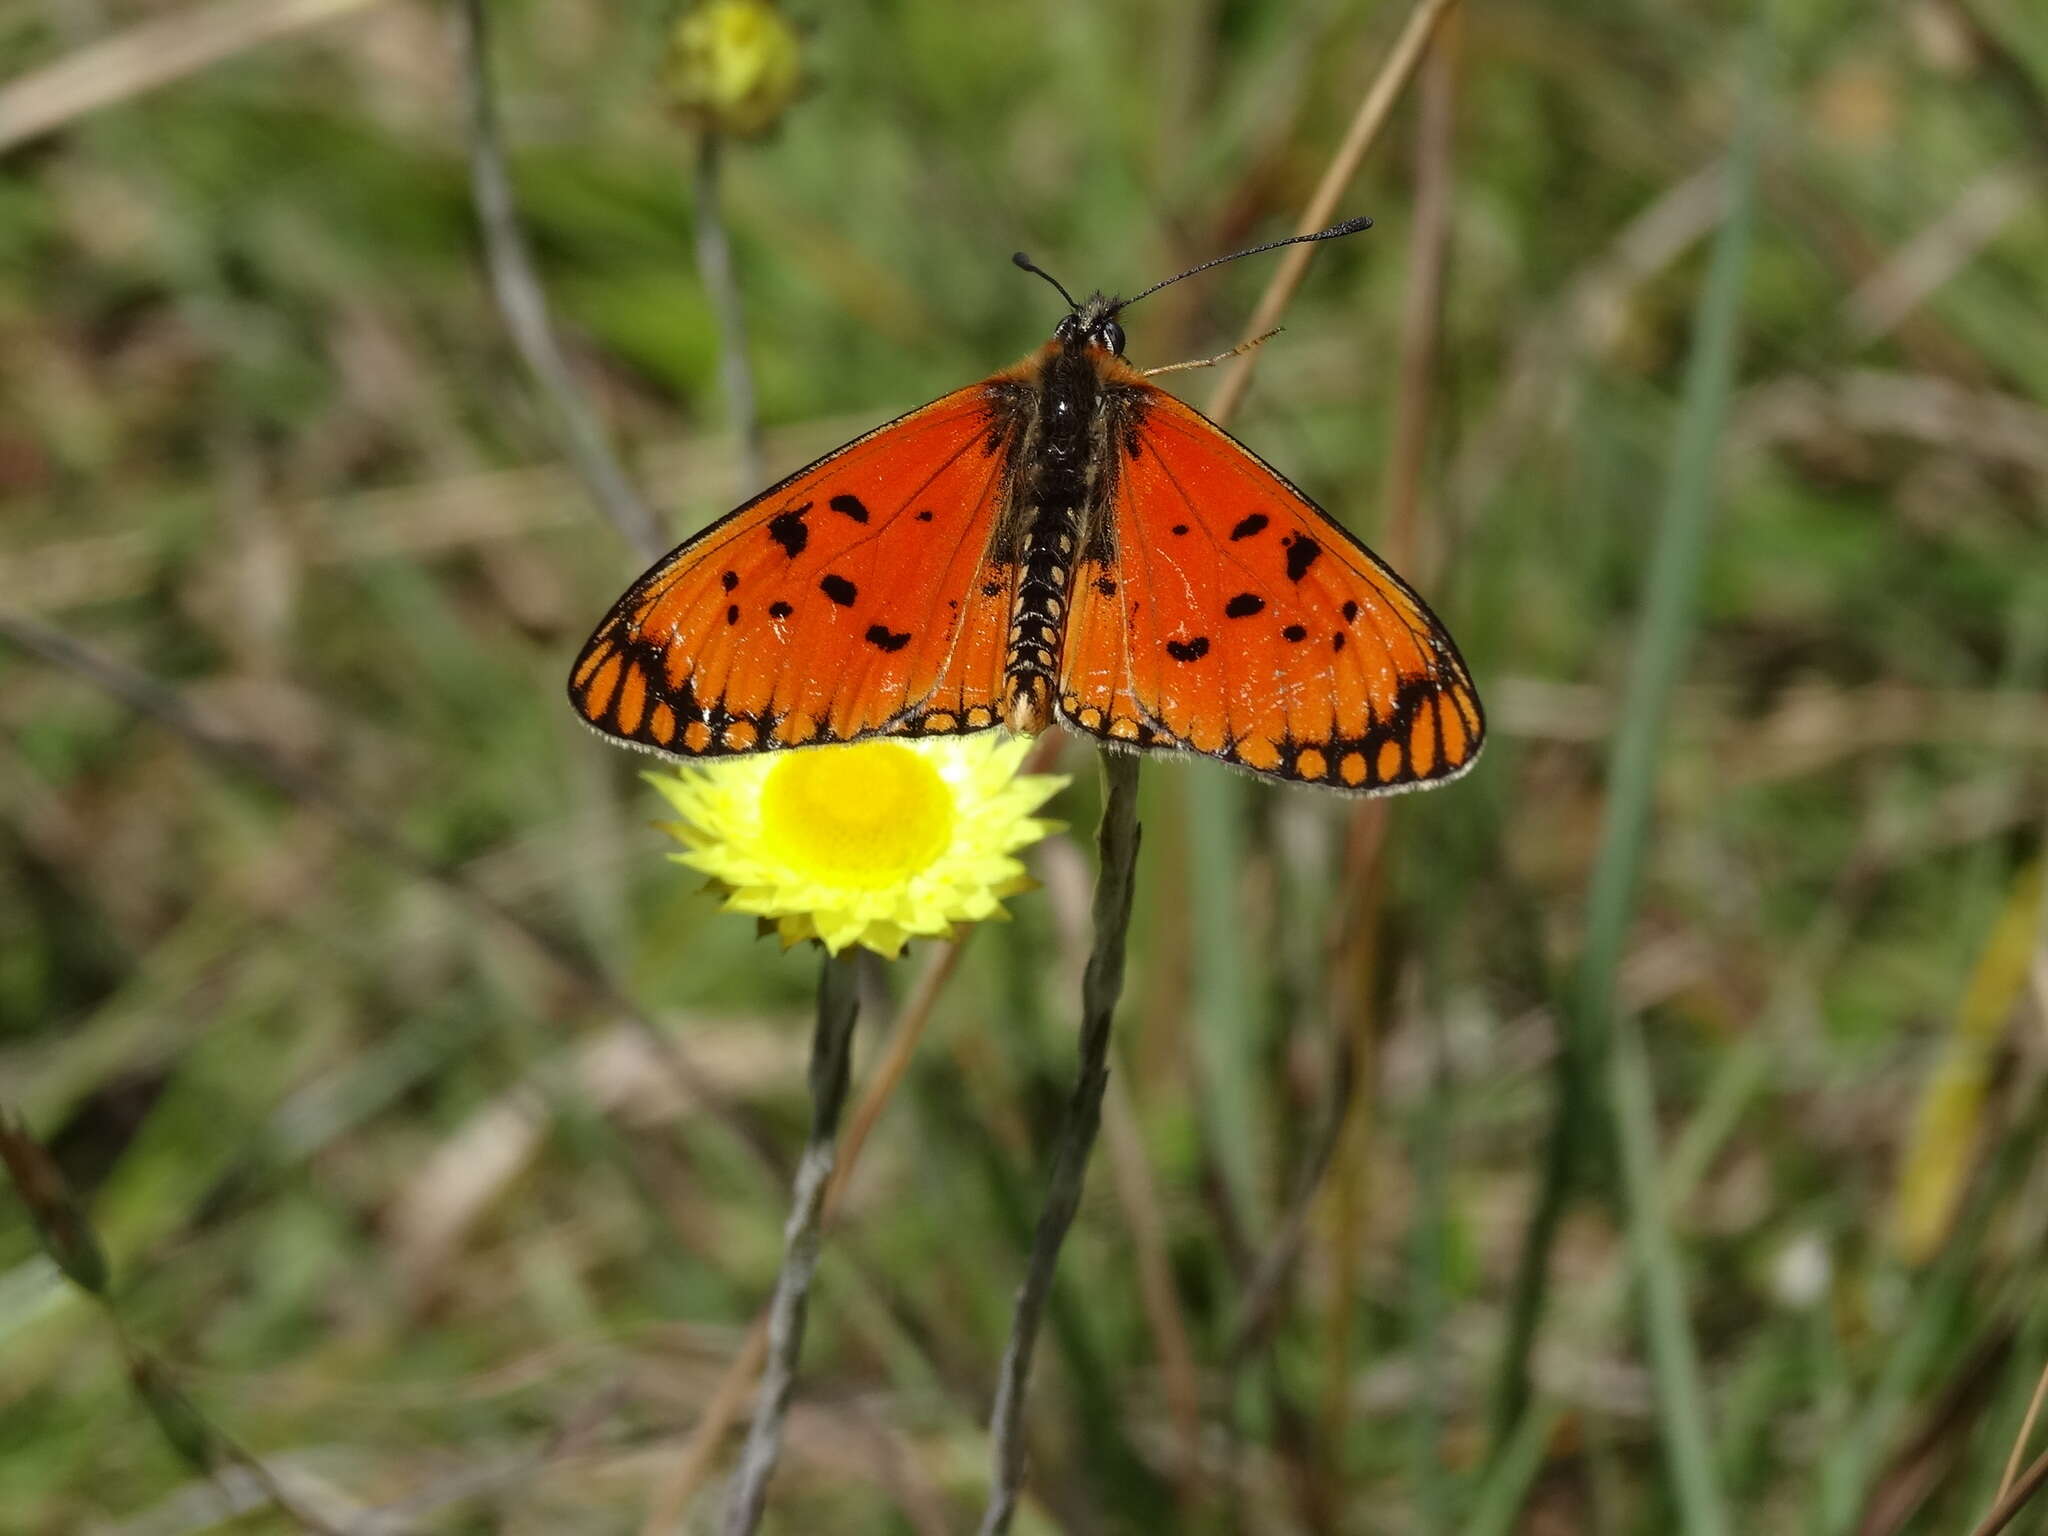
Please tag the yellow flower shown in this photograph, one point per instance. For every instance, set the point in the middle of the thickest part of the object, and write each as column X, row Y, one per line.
column 734, row 65
column 868, row 844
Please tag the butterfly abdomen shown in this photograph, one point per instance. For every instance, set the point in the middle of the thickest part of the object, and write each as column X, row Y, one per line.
column 1037, row 617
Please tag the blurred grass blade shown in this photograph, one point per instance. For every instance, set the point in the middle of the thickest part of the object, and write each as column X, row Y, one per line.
column 1935, row 1162
column 1676, row 566
column 1226, row 1012
column 53, row 1209
column 1498, row 1507
column 185, row 1429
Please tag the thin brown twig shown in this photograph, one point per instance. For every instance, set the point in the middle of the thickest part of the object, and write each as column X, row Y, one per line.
column 524, row 305
column 895, row 1061
column 2016, row 1498
column 2019, row 1443
column 1348, row 1125
column 1365, row 127
column 1357, row 971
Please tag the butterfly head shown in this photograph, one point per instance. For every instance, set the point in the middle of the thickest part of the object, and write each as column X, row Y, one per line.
column 1085, row 325
column 1092, row 325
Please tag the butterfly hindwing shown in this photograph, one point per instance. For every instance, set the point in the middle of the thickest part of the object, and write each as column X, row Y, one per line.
column 1231, row 616
column 856, row 597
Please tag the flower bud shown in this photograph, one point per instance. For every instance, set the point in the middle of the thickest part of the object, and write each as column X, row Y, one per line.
column 733, row 66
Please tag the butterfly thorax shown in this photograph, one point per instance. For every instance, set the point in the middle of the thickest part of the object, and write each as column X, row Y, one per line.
column 1070, row 400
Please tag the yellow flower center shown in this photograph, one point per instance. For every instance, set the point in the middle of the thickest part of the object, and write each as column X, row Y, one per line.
column 867, row 817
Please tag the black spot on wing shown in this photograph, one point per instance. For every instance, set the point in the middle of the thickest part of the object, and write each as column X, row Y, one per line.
column 730, row 580
column 1179, row 529
column 1248, row 526
column 1337, row 641
column 1188, row 650
column 925, row 516
column 1244, row 605
column 732, row 613
column 880, row 637
column 1294, row 634
column 790, row 531
column 1350, row 610
column 852, row 506
column 1301, row 554
column 779, row 610
column 840, row 590
column 1106, row 585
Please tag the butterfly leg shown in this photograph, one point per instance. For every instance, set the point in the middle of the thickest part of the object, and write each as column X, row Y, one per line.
column 1221, row 357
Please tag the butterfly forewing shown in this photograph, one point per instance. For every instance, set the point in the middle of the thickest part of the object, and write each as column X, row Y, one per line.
column 856, row 597
column 1229, row 615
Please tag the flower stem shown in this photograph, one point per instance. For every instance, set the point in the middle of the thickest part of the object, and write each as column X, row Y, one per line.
column 1101, row 983
column 714, row 265
column 831, row 1057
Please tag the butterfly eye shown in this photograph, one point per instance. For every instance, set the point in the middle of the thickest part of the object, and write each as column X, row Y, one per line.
column 1113, row 337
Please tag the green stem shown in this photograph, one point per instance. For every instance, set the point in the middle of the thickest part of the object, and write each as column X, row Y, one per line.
column 722, row 288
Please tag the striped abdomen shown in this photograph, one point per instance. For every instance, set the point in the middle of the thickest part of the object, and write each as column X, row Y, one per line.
column 1038, row 612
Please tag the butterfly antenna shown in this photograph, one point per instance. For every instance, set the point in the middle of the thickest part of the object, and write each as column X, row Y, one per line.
column 1031, row 266
column 1348, row 227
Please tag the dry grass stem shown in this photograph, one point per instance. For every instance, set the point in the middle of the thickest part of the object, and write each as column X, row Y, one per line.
column 1929, row 260
column 2019, row 1441
column 2016, row 1498
column 150, row 54
column 1357, row 978
column 1371, row 116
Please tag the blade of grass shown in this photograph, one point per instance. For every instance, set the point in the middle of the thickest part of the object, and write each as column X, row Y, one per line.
column 1507, row 1484
column 1227, row 1050
column 1597, row 1028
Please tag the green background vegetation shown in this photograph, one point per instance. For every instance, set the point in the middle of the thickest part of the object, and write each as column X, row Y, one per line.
column 410, row 1213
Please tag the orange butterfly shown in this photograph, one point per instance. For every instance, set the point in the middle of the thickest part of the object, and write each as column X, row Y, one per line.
column 1062, row 541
